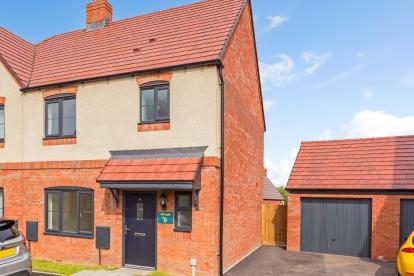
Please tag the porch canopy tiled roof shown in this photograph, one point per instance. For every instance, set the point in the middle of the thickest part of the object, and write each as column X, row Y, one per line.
column 181, row 36
column 355, row 164
column 177, row 168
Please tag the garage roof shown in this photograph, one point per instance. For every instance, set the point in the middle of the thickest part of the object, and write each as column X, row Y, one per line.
column 269, row 190
column 363, row 164
column 190, row 34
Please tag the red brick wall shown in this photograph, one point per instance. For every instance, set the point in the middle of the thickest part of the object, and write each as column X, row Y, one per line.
column 244, row 130
column 24, row 185
column 385, row 222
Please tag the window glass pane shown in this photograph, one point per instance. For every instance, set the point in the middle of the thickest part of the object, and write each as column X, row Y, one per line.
column 140, row 211
column 147, row 113
column 85, row 206
column 53, row 211
column 52, row 119
column 162, row 104
column 69, row 211
column 184, row 201
column 69, row 117
column 1, row 123
column 1, row 204
column 147, row 97
column 184, row 219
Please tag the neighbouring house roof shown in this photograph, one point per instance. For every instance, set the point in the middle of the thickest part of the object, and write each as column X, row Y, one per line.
column 269, row 191
column 355, row 164
column 17, row 55
column 153, row 166
column 191, row 34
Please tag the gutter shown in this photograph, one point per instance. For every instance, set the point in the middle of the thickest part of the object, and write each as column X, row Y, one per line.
column 220, row 69
column 122, row 75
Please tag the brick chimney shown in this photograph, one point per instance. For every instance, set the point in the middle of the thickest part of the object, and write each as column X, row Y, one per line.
column 98, row 14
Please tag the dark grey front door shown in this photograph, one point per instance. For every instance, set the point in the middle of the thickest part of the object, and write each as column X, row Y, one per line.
column 140, row 229
column 406, row 219
column 336, row 226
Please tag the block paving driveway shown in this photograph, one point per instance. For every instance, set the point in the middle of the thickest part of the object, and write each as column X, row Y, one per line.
column 272, row 260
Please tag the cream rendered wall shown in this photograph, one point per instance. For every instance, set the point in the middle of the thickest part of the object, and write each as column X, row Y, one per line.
column 13, row 114
column 108, row 113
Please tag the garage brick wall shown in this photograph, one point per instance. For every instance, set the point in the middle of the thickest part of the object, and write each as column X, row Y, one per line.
column 385, row 221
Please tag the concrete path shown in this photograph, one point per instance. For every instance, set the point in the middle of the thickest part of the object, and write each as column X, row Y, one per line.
column 118, row 272
column 271, row 260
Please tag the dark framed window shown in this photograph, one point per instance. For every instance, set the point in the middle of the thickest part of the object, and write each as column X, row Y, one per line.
column 183, row 211
column 155, row 103
column 2, row 123
column 60, row 117
column 69, row 212
column 1, row 203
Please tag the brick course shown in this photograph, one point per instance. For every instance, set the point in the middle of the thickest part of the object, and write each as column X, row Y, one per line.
column 24, row 191
column 385, row 221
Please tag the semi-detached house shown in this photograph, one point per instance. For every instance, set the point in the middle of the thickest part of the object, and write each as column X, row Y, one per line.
column 143, row 137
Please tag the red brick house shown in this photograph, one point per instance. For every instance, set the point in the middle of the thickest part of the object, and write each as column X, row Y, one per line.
column 352, row 197
column 126, row 136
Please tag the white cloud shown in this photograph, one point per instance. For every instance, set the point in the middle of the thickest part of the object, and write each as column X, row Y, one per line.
column 361, row 55
column 275, row 21
column 279, row 171
column 367, row 92
column 277, row 74
column 325, row 135
column 368, row 123
column 267, row 104
column 408, row 79
column 316, row 61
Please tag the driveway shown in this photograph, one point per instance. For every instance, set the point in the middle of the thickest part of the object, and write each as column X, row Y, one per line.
column 271, row 260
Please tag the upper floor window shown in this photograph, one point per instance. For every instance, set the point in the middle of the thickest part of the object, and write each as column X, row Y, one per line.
column 60, row 116
column 155, row 103
column 2, row 123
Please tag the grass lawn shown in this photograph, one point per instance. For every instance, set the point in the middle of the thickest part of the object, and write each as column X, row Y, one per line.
column 65, row 269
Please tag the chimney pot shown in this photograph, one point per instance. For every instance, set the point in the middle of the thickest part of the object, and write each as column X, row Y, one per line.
column 98, row 14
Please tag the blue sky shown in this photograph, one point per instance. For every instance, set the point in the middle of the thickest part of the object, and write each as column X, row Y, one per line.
column 330, row 69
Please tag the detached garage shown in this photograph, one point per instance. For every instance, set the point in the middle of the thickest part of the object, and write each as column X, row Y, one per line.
column 352, row 197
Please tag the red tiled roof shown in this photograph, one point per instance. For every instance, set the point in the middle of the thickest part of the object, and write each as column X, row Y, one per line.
column 373, row 163
column 269, row 191
column 178, row 36
column 165, row 169
column 17, row 55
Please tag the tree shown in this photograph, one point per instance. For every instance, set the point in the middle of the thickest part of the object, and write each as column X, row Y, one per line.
column 284, row 193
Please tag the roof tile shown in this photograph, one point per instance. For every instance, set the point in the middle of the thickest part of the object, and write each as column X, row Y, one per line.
column 371, row 163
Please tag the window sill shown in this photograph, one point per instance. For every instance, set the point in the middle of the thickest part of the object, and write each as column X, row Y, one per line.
column 182, row 230
column 156, row 126
column 70, row 235
column 57, row 141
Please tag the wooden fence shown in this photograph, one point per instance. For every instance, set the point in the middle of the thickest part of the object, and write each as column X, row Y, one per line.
column 274, row 224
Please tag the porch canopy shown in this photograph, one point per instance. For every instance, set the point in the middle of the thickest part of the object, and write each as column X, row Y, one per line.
column 158, row 169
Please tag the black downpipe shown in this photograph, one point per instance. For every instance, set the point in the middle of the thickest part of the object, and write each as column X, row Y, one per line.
column 220, row 69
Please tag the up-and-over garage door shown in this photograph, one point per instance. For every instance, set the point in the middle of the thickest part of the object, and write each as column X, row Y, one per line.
column 406, row 218
column 336, row 226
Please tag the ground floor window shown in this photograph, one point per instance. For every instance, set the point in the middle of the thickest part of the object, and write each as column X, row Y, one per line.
column 69, row 211
column 183, row 211
column 1, row 203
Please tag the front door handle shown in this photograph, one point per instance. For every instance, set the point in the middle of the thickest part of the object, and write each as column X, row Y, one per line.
column 136, row 234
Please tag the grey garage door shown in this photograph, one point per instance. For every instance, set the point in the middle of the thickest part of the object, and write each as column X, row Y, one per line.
column 406, row 218
column 336, row 226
